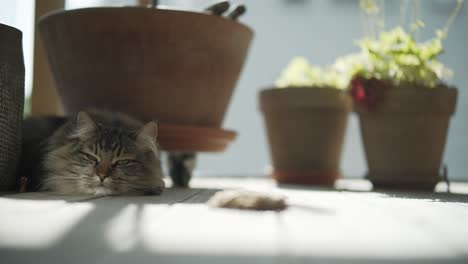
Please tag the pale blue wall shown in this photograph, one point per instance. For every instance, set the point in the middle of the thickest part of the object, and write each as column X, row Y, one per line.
column 319, row 30
column 322, row 30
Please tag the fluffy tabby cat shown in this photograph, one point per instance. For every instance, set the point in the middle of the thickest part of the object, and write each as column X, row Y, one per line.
column 94, row 152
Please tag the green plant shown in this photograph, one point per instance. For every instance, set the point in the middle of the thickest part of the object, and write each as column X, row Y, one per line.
column 396, row 55
column 300, row 73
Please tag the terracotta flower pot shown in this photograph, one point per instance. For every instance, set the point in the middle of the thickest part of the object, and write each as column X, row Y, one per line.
column 405, row 135
column 178, row 67
column 305, row 129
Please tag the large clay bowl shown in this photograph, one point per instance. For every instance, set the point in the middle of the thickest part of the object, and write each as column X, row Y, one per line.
column 177, row 67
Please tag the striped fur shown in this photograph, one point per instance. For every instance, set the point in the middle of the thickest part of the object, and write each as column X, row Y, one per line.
column 103, row 153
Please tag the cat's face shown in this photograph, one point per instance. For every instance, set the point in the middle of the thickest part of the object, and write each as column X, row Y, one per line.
column 102, row 160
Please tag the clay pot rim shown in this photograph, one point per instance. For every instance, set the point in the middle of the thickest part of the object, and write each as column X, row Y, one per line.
column 328, row 88
column 419, row 87
column 62, row 12
column 405, row 100
column 404, row 85
column 332, row 99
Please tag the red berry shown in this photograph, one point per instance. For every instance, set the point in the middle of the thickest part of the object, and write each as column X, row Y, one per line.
column 368, row 93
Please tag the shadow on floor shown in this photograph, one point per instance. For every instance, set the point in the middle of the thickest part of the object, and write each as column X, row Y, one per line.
column 87, row 240
column 169, row 196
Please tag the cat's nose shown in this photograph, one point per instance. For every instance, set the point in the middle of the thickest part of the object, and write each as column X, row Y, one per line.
column 102, row 171
column 102, row 177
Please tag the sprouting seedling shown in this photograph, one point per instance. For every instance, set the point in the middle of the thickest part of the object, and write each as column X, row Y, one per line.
column 442, row 34
column 374, row 17
column 373, row 20
column 218, row 8
column 237, row 12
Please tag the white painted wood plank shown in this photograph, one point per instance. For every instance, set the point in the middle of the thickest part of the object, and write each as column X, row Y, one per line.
column 356, row 229
column 37, row 224
column 39, row 196
column 343, row 224
column 81, row 231
column 442, row 217
column 197, row 229
column 326, row 227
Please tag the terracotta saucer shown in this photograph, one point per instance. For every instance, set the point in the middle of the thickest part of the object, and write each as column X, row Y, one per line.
column 194, row 139
column 323, row 178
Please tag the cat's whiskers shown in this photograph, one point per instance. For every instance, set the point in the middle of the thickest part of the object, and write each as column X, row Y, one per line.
column 140, row 187
column 133, row 185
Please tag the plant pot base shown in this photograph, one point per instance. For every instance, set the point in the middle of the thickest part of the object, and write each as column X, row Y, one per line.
column 405, row 186
column 427, row 183
column 306, row 178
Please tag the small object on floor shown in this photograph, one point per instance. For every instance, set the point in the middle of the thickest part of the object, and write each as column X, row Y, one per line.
column 181, row 166
column 218, row 8
column 247, row 200
column 237, row 12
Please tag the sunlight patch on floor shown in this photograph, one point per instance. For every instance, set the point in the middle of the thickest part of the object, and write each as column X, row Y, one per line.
column 121, row 232
column 38, row 224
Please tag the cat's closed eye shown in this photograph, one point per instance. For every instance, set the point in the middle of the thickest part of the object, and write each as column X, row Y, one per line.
column 125, row 162
column 87, row 158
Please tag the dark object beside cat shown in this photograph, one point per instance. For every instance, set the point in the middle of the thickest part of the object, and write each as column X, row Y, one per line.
column 94, row 152
column 11, row 103
column 181, row 166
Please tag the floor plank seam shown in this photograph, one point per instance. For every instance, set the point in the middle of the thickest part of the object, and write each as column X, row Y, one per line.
column 188, row 198
column 93, row 198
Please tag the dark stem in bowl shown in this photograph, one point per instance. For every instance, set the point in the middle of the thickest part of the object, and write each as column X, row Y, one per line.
column 237, row 12
column 218, row 8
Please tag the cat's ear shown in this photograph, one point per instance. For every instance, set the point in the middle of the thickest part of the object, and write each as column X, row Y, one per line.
column 148, row 133
column 84, row 123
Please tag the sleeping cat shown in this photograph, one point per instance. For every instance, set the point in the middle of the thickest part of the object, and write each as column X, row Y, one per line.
column 95, row 152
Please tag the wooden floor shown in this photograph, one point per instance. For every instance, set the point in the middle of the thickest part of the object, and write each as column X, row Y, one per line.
column 349, row 224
